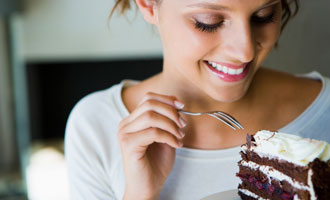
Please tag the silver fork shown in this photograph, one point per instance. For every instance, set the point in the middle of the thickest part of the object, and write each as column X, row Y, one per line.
column 222, row 116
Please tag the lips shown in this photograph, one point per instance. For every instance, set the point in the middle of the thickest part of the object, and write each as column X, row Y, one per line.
column 228, row 72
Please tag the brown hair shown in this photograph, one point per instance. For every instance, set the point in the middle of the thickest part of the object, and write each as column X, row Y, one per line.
column 290, row 9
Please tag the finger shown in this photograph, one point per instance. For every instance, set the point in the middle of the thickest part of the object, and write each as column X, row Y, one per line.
column 153, row 119
column 170, row 100
column 123, row 122
column 160, row 136
column 161, row 108
column 142, row 139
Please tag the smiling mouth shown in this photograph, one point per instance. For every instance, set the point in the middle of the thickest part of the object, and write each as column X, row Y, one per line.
column 227, row 70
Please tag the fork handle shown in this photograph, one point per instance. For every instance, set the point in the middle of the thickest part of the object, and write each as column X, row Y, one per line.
column 189, row 113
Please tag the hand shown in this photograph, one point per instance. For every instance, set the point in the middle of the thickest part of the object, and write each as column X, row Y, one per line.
column 148, row 138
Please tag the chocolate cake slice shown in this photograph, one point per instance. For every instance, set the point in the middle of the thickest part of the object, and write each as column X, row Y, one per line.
column 284, row 166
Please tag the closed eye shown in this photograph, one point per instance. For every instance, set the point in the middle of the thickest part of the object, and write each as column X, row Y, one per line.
column 207, row 27
column 263, row 20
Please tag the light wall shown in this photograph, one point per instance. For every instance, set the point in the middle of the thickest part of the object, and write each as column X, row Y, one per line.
column 79, row 29
column 305, row 44
column 73, row 29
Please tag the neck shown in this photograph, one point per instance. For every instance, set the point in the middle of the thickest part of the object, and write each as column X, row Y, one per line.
column 195, row 99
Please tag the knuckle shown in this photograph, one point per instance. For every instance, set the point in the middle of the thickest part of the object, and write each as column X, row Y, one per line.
column 148, row 95
column 155, row 132
column 123, row 139
column 149, row 103
column 149, row 115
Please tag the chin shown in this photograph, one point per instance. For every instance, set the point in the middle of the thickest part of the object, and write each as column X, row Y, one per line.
column 228, row 95
column 228, row 98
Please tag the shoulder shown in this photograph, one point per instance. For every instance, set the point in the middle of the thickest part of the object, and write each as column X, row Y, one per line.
column 314, row 121
column 285, row 97
column 96, row 105
column 95, row 118
column 90, row 134
column 291, row 87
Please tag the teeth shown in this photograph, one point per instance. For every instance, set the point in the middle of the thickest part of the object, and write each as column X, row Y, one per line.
column 231, row 71
column 219, row 67
column 239, row 71
column 225, row 69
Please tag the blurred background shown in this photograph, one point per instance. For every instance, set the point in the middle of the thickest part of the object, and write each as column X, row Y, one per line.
column 52, row 53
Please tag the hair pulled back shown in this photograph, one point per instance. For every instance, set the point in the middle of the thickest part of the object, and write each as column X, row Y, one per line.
column 290, row 9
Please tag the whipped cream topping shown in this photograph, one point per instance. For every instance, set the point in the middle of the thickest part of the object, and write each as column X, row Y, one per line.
column 290, row 147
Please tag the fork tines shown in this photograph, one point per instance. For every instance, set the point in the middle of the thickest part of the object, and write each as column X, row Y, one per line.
column 229, row 119
column 222, row 116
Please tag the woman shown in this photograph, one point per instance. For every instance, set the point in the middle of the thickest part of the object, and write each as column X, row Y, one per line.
column 130, row 141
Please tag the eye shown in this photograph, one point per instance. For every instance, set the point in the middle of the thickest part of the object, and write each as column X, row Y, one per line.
column 265, row 15
column 207, row 27
column 263, row 20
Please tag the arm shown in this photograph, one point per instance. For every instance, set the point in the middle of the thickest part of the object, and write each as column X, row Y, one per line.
column 87, row 178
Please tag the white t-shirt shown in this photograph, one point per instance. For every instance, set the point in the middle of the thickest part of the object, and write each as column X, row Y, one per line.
column 95, row 164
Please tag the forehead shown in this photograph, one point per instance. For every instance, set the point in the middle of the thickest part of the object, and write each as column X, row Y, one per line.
column 227, row 5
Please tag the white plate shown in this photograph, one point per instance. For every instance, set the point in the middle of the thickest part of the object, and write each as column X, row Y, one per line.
column 226, row 195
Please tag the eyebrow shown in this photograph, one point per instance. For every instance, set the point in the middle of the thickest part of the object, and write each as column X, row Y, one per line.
column 213, row 6
column 270, row 3
column 210, row 6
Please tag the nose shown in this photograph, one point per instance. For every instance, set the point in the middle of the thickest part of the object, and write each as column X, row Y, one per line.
column 240, row 44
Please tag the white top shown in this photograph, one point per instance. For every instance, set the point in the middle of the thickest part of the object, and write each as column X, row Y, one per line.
column 95, row 164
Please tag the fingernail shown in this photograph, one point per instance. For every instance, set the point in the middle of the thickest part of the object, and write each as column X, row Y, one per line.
column 178, row 104
column 182, row 122
column 181, row 133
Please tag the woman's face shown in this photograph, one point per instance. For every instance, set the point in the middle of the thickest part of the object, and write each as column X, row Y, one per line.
column 217, row 45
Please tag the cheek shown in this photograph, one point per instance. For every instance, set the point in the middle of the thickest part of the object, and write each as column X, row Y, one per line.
column 182, row 41
column 266, row 38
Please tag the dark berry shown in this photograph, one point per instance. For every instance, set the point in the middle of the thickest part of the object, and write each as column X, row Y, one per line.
column 259, row 185
column 252, row 179
column 242, row 177
column 271, row 189
column 286, row 196
column 278, row 191
column 265, row 186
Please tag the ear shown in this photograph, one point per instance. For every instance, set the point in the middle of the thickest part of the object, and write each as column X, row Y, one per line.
column 147, row 8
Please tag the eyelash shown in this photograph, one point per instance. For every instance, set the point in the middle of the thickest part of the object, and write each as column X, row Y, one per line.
column 210, row 28
column 207, row 27
column 263, row 20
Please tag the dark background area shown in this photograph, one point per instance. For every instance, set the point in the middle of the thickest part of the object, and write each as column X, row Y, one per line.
column 54, row 88
column 9, row 6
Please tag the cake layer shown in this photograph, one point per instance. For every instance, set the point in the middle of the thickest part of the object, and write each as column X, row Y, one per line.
column 298, row 173
column 247, row 195
column 270, row 173
column 257, row 181
column 321, row 178
column 284, row 167
column 252, row 191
